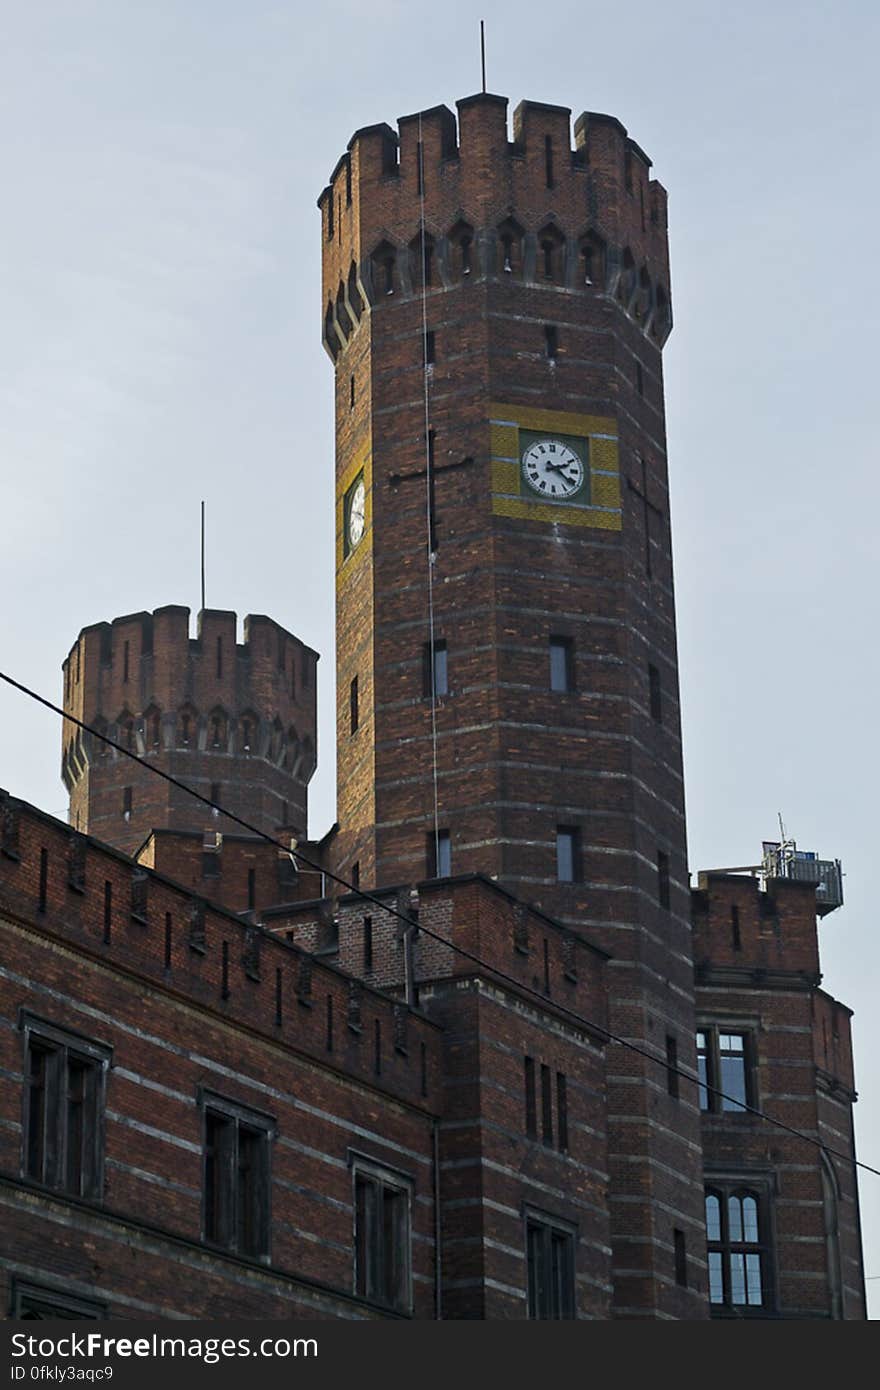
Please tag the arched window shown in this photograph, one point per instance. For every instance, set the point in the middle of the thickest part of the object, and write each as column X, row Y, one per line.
column 101, row 749
column 642, row 305
column 331, row 337
column 510, row 247
column 591, row 249
column 627, row 282
column 248, row 733
column 125, row 730
column 420, row 267
column 384, row 267
column 292, row 753
column 218, row 730
column 552, row 253
column 355, row 299
column 737, row 1248
column 343, row 318
column 187, row 727
column 152, row 729
column 662, row 320
column 461, row 243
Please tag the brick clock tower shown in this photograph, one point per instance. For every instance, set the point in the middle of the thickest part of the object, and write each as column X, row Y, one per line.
column 506, row 652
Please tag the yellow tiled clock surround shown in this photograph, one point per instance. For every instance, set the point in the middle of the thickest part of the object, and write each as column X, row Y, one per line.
column 361, row 462
column 508, row 499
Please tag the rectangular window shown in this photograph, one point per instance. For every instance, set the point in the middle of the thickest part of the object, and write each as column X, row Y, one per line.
column 439, row 855
column 353, row 705
column 656, row 697
column 732, row 1070
column 546, row 1106
column 725, row 1069
column 531, row 1100
column 551, row 341
column 561, row 1112
column 663, row 879
column 127, row 802
column 382, row 1244
column 64, row 1105
column 36, row 1303
column 236, row 1177
column 368, row 945
column 567, row 854
column 739, row 1256
column 561, row 664
column 550, row 1259
column 436, row 669
column 430, row 349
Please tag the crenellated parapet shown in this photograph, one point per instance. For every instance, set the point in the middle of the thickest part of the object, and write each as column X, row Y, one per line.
column 215, row 712
column 585, row 217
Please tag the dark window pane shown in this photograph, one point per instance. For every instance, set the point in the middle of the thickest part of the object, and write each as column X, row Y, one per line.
column 560, row 664
column 565, row 855
column 36, row 1149
column 716, row 1277
column 713, row 1217
column 731, row 1055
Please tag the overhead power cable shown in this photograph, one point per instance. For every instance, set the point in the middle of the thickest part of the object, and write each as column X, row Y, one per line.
column 669, row 1068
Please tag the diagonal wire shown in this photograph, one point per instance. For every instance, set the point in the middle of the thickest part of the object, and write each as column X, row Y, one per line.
column 462, row 951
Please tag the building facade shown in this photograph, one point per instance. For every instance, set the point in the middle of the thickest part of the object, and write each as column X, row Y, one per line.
column 530, row 1073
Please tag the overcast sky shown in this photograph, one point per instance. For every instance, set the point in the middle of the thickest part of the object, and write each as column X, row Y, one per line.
column 160, row 343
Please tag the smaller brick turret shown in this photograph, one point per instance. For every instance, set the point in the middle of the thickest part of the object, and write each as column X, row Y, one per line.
column 235, row 721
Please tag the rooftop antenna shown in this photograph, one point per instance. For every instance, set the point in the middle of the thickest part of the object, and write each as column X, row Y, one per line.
column 483, row 50
column 203, row 556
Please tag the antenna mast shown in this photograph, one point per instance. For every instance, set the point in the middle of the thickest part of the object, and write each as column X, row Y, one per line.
column 203, row 556
column 483, row 49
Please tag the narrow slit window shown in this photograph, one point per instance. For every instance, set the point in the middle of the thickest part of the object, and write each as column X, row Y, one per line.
column 567, row 854
column 368, row 945
column 548, row 160
column 430, row 348
column 439, row 856
column 561, row 664
column 546, row 1106
column 561, row 1112
column 530, row 1097
column 353, row 706
column 436, row 669
column 551, row 341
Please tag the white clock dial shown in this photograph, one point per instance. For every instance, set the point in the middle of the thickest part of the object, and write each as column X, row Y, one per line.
column 552, row 469
column 356, row 513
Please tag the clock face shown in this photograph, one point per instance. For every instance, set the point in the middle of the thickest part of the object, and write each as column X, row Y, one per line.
column 356, row 517
column 553, row 469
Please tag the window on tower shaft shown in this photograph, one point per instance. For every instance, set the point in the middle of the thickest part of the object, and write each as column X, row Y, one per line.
column 439, row 854
column 436, row 669
column 561, row 664
column 567, row 854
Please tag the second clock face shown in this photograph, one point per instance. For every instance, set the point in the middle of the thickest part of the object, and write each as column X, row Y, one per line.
column 553, row 469
column 356, row 513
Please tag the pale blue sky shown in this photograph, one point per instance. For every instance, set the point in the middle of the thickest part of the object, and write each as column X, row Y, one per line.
column 160, row 342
